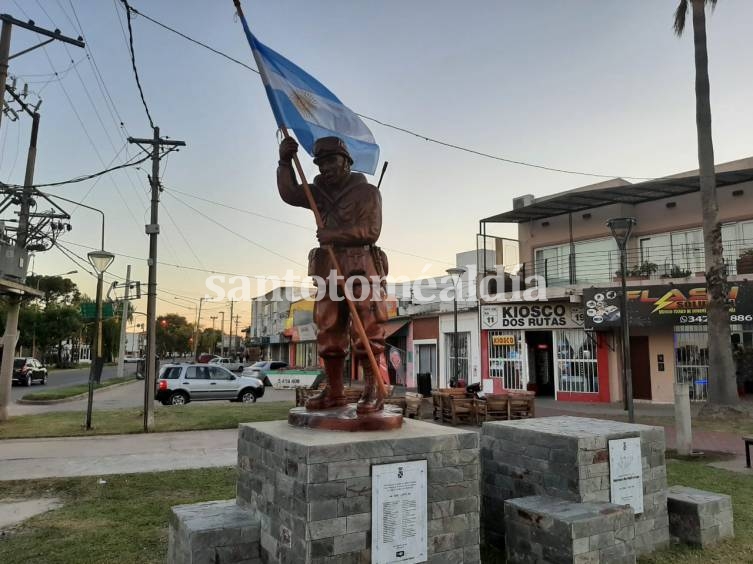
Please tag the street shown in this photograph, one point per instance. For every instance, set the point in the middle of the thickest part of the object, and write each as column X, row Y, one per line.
column 68, row 377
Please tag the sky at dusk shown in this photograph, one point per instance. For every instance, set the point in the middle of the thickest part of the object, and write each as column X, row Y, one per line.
column 597, row 86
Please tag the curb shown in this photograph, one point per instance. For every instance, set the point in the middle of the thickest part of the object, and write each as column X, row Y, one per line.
column 74, row 398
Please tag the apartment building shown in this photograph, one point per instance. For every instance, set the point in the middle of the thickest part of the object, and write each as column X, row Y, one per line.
column 563, row 337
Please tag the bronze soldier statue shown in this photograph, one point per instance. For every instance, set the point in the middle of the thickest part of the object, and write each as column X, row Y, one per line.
column 351, row 211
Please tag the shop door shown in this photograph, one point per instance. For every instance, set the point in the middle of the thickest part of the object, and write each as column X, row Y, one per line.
column 640, row 362
column 541, row 361
column 427, row 363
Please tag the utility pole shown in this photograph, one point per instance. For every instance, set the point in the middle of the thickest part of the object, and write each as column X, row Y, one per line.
column 222, row 334
column 10, row 337
column 152, row 229
column 5, row 56
column 214, row 343
column 198, row 331
column 237, row 320
column 230, row 351
column 125, row 310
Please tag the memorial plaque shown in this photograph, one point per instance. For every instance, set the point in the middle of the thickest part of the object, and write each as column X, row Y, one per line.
column 626, row 473
column 398, row 512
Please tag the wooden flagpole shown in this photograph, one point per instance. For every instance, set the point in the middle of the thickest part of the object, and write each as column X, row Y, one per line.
column 355, row 318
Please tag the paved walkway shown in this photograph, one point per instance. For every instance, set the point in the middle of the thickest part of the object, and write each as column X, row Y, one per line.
column 101, row 455
column 703, row 441
column 25, row 459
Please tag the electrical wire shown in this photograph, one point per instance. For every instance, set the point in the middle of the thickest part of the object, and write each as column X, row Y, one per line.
column 217, row 223
column 195, row 269
column 80, row 178
column 133, row 62
column 282, row 221
column 395, row 127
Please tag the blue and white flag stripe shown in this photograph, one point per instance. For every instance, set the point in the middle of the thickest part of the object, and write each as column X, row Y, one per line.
column 305, row 105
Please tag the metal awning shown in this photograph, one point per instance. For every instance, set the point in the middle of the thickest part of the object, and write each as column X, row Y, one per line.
column 576, row 201
column 393, row 326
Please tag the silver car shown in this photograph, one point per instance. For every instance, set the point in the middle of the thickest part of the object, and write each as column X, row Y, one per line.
column 180, row 383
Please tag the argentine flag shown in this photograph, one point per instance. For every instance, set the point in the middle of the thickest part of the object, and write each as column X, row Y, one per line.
column 305, row 105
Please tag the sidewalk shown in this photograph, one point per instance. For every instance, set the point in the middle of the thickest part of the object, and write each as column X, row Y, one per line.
column 115, row 454
column 703, row 441
column 25, row 459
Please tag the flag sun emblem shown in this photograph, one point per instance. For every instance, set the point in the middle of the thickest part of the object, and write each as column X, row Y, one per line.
column 305, row 102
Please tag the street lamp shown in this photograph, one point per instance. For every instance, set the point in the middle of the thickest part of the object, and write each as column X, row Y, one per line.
column 456, row 272
column 621, row 228
column 100, row 260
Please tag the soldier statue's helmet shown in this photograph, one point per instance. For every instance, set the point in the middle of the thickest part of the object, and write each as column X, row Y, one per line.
column 326, row 146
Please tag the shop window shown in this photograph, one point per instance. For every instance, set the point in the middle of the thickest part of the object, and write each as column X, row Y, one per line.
column 507, row 359
column 457, row 361
column 692, row 359
column 576, row 363
column 306, row 354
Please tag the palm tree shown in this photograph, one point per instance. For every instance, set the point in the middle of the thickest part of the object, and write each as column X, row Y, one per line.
column 722, row 383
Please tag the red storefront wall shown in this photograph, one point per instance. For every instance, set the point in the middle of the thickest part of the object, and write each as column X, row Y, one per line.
column 602, row 355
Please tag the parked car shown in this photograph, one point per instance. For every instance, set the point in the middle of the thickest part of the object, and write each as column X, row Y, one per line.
column 128, row 359
column 203, row 358
column 259, row 369
column 27, row 369
column 227, row 363
column 180, row 383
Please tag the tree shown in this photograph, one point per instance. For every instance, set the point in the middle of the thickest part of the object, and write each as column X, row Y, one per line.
column 174, row 334
column 722, row 383
column 208, row 340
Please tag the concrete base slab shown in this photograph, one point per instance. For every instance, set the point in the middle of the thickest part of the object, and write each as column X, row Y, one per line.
column 13, row 512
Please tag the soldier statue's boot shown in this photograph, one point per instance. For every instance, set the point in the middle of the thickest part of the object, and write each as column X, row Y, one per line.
column 333, row 395
column 371, row 401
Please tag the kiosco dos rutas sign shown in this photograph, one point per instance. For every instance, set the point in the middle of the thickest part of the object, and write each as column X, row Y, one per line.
column 657, row 306
column 531, row 316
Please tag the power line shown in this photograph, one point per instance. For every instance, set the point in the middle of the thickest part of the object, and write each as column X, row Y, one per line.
column 193, row 268
column 80, row 178
column 217, row 223
column 395, row 127
column 282, row 221
column 133, row 61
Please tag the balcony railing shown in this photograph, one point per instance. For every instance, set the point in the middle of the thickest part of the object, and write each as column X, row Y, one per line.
column 650, row 262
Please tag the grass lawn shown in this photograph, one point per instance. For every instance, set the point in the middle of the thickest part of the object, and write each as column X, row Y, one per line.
column 70, row 391
column 701, row 476
column 124, row 520
column 124, row 421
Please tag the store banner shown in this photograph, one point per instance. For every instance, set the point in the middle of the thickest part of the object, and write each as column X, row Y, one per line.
column 662, row 305
column 536, row 315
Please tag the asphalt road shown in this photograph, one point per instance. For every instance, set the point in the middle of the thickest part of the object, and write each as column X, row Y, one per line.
column 62, row 378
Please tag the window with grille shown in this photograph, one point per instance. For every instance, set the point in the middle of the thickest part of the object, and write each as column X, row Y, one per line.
column 507, row 359
column 575, row 363
column 457, row 362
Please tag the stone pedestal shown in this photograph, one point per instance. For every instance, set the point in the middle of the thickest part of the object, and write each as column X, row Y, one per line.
column 699, row 518
column 568, row 458
column 311, row 489
column 548, row 530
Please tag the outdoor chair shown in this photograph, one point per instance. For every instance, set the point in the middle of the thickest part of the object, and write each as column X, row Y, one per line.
column 521, row 405
column 461, row 410
column 494, row 407
column 436, row 398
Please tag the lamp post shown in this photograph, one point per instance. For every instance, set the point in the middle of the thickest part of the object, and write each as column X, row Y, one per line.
column 456, row 273
column 100, row 260
column 621, row 228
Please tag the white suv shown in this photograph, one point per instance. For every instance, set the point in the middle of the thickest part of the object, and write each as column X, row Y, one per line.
column 180, row 383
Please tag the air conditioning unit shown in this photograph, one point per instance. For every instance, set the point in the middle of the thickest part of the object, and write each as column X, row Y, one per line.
column 522, row 201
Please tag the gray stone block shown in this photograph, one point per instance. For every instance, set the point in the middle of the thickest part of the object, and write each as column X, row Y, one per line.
column 547, row 530
column 202, row 532
column 698, row 517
